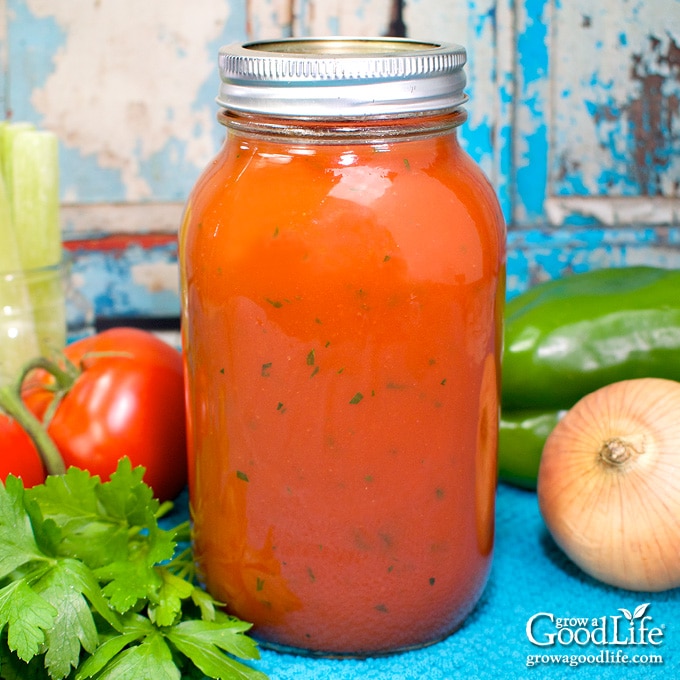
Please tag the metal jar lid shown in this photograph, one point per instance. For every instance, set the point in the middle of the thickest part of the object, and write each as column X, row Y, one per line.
column 341, row 77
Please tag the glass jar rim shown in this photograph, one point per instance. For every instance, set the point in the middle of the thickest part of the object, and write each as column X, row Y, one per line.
column 341, row 77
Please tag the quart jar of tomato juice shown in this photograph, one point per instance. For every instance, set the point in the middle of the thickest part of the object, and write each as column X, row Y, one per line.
column 342, row 275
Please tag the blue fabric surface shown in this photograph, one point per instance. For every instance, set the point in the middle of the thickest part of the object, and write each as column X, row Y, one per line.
column 530, row 575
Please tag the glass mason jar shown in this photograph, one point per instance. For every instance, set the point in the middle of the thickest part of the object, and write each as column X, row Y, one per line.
column 342, row 275
column 40, row 311
column 32, row 317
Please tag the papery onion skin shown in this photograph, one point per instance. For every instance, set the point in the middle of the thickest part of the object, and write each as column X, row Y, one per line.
column 609, row 484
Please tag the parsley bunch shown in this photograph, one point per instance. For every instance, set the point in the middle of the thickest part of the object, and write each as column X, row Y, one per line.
column 92, row 587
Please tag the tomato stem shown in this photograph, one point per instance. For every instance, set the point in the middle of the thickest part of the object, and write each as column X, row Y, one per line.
column 64, row 377
column 12, row 404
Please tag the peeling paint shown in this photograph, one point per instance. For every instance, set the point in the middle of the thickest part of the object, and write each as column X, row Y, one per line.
column 614, row 211
column 655, row 115
column 122, row 90
column 569, row 100
column 532, row 132
column 82, row 220
column 346, row 17
column 536, row 255
column 156, row 277
column 502, row 172
column 486, row 134
column 478, row 134
column 270, row 18
column 617, row 133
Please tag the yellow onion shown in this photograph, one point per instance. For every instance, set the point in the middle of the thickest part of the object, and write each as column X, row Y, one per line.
column 609, row 484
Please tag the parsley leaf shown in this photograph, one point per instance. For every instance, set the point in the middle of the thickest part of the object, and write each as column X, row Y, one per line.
column 17, row 542
column 202, row 641
column 152, row 659
column 27, row 617
column 74, row 624
column 172, row 591
column 91, row 587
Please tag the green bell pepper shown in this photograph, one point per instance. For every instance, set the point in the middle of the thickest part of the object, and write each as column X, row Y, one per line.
column 568, row 337
column 521, row 437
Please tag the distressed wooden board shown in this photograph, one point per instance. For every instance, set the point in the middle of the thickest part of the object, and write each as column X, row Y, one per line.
column 130, row 88
column 536, row 255
column 597, row 112
column 127, row 276
column 573, row 115
column 616, row 98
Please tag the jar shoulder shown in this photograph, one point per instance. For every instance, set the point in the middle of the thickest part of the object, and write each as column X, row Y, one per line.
column 421, row 198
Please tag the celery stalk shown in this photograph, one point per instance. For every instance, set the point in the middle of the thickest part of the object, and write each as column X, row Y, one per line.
column 18, row 338
column 8, row 132
column 9, row 250
column 35, row 198
column 34, row 296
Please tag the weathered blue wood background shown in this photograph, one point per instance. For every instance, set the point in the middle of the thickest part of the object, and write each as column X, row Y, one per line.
column 574, row 115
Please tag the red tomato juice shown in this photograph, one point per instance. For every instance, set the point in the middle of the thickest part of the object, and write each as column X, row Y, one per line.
column 342, row 313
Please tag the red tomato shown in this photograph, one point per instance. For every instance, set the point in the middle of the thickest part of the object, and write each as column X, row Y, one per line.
column 18, row 456
column 128, row 401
